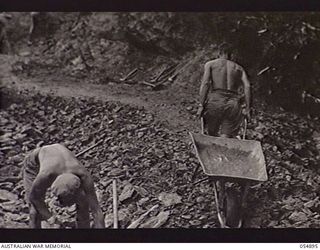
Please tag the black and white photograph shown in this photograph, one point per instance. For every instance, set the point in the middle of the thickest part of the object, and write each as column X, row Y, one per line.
column 136, row 120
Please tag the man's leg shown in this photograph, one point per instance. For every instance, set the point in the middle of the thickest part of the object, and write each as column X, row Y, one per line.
column 212, row 120
column 83, row 217
column 35, row 219
column 34, row 216
column 232, row 121
column 30, row 171
column 211, row 123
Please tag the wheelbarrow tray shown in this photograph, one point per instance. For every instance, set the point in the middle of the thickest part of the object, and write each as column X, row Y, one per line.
column 228, row 157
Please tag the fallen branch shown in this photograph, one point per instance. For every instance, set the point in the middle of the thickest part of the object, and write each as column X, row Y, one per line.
column 262, row 31
column 131, row 73
column 262, row 71
column 201, row 180
column 169, row 73
column 315, row 99
column 172, row 78
column 149, row 84
column 171, row 68
column 138, row 221
column 86, row 150
column 195, row 172
column 115, row 203
column 310, row 26
column 155, row 79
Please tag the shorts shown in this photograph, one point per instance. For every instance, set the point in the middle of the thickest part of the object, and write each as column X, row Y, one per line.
column 223, row 110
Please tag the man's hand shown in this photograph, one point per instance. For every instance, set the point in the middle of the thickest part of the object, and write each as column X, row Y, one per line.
column 44, row 213
column 200, row 111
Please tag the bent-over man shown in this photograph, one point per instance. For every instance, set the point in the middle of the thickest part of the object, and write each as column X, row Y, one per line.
column 54, row 165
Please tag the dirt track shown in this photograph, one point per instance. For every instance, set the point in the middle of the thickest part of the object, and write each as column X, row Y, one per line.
column 169, row 105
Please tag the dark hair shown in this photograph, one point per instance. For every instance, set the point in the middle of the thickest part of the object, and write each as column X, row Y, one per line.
column 225, row 48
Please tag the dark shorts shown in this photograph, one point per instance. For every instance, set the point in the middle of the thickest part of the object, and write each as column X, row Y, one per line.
column 223, row 110
column 30, row 171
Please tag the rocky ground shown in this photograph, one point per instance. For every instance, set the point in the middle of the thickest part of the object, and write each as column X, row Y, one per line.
column 151, row 163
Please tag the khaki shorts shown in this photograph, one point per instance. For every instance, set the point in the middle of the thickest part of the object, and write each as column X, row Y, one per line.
column 223, row 110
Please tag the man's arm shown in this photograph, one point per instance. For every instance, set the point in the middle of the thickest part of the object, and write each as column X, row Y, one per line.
column 88, row 187
column 83, row 218
column 37, row 194
column 246, row 85
column 204, row 88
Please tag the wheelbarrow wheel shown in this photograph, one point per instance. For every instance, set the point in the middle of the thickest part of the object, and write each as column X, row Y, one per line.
column 232, row 209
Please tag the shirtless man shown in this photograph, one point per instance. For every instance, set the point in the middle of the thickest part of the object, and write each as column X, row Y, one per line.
column 221, row 98
column 54, row 165
column 221, row 107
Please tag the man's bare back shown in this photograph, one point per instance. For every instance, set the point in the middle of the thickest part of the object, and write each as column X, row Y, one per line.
column 55, row 164
column 58, row 159
column 225, row 74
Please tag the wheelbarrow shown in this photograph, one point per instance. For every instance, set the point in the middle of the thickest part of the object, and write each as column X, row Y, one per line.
column 230, row 161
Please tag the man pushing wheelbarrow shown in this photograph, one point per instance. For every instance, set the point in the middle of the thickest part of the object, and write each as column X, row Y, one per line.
column 230, row 163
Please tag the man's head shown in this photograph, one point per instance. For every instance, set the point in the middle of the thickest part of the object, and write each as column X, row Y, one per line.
column 225, row 51
column 66, row 188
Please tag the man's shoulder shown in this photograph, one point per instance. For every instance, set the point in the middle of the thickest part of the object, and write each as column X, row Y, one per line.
column 55, row 147
column 216, row 62
column 235, row 65
column 32, row 153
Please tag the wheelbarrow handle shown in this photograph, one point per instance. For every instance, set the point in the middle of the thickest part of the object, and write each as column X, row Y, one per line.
column 198, row 166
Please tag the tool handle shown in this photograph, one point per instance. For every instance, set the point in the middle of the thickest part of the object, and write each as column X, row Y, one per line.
column 115, row 203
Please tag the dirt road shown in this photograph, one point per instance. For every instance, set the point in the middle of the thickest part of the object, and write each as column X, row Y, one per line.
column 174, row 106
